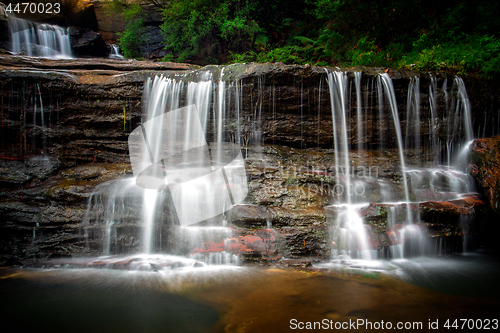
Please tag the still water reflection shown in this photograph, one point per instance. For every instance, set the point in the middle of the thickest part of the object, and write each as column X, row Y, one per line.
column 246, row 299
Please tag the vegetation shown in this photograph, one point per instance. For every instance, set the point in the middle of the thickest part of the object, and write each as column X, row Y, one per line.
column 458, row 35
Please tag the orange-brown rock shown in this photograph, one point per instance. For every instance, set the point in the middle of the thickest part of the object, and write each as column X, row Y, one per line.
column 485, row 168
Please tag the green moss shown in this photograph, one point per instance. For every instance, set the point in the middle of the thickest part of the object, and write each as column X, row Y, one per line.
column 381, row 211
column 291, row 181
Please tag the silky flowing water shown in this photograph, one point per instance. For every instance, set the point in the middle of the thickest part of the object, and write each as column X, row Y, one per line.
column 39, row 40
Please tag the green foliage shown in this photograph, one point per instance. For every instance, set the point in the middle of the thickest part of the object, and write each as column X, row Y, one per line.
column 367, row 53
column 130, row 39
column 464, row 54
column 457, row 35
column 286, row 55
column 197, row 28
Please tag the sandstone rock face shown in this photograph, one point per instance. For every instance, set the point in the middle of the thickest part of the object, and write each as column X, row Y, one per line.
column 105, row 21
column 79, row 13
column 485, row 168
column 152, row 46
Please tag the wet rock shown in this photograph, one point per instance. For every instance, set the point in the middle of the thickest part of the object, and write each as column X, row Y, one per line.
column 310, row 242
column 11, row 178
column 19, row 211
column 295, row 263
column 64, row 214
column 249, row 215
column 485, row 168
column 14, row 174
column 97, row 171
column 119, row 66
column 467, row 205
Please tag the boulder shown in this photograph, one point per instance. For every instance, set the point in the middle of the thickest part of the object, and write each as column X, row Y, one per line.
column 86, row 42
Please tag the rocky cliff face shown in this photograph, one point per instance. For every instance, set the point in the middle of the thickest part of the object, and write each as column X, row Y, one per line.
column 485, row 168
column 65, row 126
column 152, row 46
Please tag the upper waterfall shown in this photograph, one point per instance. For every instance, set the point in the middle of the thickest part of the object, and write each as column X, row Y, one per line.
column 39, row 40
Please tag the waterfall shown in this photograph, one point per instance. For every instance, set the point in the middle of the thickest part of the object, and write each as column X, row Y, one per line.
column 350, row 225
column 115, row 52
column 337, row 83
column 359, row 110
column 39, row 40
column 391, row 96
column 170, row 154
column 433, row 142
column 223, row 111
column 413, row 115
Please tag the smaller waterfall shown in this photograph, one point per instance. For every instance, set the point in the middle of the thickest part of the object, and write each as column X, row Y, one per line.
column 39, row 40
column 115, row 52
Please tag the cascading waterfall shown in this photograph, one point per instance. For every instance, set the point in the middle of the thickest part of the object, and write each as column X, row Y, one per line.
column 219, row 104
column 447, row 183
column 161, row 95
column 39, row 40
column 115, row 52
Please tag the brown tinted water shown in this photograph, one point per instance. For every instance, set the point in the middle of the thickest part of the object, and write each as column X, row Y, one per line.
column 223, row 299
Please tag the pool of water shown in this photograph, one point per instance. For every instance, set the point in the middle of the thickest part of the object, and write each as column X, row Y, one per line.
column 471, row 274
column 248, row 298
